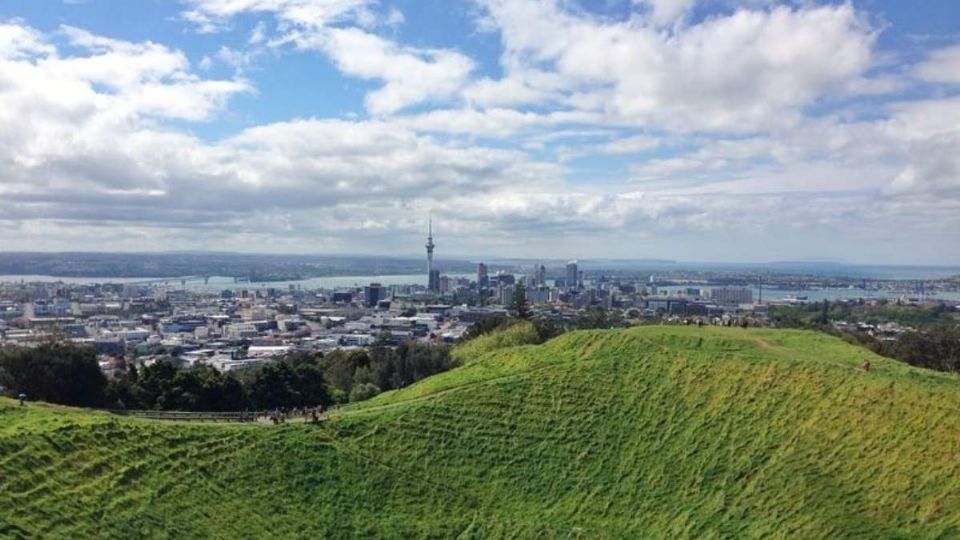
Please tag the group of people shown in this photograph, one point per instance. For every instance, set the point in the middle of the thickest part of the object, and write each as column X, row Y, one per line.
column 281, row 415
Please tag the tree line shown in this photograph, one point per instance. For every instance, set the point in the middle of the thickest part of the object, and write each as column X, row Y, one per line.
column 934, row 344
column 65, row 373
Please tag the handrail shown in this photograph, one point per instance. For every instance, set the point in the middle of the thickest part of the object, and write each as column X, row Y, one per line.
column 241, row 416
column 213, row 416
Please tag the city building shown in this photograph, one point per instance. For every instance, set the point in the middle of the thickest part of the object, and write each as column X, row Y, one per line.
column 433, row 282
column 732, row 295
column 373, row 293
column 573, row 275
column 483, row 279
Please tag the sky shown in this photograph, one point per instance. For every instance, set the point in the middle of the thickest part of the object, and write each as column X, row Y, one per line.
column 696, row 130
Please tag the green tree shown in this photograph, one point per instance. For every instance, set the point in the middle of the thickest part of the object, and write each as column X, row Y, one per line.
column 519, row 306
column 58, row 372
column 364, row 391
column 824, row 317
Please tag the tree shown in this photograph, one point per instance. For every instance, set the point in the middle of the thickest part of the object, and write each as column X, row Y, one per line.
column 824, row 313
column 364, row 391
column 58, row 372
column 596, row 317
column 486, row 325
column 274, row 386
column 548, row 329
column 519, row 306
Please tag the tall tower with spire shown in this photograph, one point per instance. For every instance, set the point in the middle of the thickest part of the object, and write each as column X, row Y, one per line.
column 433, row 276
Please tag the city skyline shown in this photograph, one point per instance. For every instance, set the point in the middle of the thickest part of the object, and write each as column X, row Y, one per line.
column 690, row 130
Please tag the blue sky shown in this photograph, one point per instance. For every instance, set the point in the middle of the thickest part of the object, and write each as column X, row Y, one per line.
column 738, row 130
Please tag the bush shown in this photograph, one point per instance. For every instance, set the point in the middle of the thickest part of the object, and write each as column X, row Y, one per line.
column 520, row 333
column 364, row 391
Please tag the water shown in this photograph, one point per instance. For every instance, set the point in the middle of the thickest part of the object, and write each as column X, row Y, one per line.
column 855, row 271
column 219, row 283
column 830, row 293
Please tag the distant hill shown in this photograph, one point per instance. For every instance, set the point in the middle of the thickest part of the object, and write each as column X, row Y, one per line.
column 651, row 432
column 256, row 267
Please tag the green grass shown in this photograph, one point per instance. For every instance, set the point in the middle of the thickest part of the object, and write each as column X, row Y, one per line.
column 667, row 432
column 519, row 333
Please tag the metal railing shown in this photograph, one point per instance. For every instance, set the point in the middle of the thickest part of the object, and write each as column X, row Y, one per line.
column 193, row 416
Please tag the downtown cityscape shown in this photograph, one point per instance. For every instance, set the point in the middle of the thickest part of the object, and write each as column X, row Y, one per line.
column 233, row 323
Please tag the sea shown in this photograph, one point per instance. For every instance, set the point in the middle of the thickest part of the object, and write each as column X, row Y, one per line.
column 866, row 272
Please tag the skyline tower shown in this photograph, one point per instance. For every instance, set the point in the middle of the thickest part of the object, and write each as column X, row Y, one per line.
column 433, row 283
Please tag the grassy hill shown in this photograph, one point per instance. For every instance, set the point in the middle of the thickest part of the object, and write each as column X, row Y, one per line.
column 646, row 432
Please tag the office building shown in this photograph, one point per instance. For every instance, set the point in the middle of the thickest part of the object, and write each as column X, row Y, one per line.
column 374, row 293
column 483, row 278
column 732, row 295
column 433, row 283
column 573, row 275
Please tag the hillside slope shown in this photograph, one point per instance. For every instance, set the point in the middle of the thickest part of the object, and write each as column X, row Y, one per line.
column 646, row 432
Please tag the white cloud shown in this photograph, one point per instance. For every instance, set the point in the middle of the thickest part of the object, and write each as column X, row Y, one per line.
column 258, row 35
column 930, row 135
column 942, row 66
column 18, row 40
column 667, row 11
column 213, row 15
column 75, row 149
column 410, row 75
column 744, row 71
column 629, row 145
column 702, row 132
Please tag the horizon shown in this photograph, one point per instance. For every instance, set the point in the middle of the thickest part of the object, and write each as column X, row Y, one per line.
column 504, row 259
column 740, row 130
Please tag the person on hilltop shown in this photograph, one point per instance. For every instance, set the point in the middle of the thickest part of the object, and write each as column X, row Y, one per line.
column 23, row 398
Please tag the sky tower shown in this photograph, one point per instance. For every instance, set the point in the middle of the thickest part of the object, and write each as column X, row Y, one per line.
column 433, row 283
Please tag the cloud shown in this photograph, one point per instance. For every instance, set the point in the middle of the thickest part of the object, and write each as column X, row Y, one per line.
column 667, row 11
column 338, row 29
column 942, row 66
column 661, row 133
column 749, row 70
column 215, row 15
column 19, row 41
column 410, row 75
column 930, row 134
column 87, row 140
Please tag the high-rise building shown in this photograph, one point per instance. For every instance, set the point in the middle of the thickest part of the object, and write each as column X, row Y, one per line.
column 374, row 293
column 541, row 276
column 483, row 278
column 573, row 275
column 433, row 285
column 445, row 284
column 433, row 282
